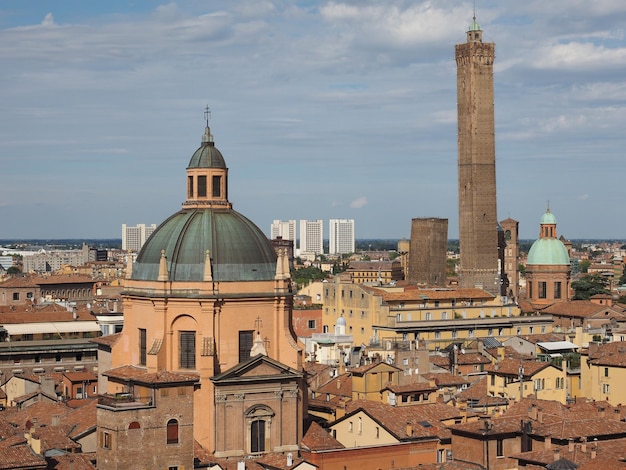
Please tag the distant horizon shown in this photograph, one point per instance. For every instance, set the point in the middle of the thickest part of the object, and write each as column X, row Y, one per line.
column 80, row 240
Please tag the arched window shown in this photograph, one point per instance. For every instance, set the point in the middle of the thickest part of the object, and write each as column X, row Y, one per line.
column 172, row 431
column 259, row 422
column 134, row 425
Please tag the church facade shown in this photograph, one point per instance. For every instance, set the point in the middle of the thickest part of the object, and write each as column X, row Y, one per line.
column 207, row 321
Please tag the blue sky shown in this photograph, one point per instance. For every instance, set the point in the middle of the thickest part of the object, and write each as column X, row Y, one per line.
column 321, row 110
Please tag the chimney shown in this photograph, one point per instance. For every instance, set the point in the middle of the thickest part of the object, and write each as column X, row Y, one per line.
column 540, row 415
column 583, row 444
column 409, row 429
column 289, row 459
column 617, row 414
column 557, row 454
column 594, row 451
column 56, row 420
column 532, row 412
column 601, row 411
column 570, row 445
column 548, row 442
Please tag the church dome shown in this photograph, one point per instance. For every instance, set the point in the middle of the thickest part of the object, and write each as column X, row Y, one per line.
column 548, row 218
column 548, row 251
column 238, row 249
column 207, row 156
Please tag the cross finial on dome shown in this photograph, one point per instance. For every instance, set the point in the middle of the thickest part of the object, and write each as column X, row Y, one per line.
column 548, row 209
column 207, row 115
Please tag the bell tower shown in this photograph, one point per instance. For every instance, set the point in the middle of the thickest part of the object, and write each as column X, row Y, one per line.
column 478, row 224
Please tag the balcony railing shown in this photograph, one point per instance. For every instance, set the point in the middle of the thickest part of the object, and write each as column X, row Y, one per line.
column 124, row 401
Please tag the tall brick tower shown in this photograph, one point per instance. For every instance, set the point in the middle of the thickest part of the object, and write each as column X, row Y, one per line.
column 478, row 224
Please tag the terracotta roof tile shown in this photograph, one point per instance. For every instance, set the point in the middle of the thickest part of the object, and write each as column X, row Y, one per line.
column 108, row 340
column 434, row 294
column 410, row 388
column 11, row 457
column 509, row 366
column 141, row 375
column 337, row 386
column 426, row 420
column 608, row 354
column 445, row 379
column 317, row 439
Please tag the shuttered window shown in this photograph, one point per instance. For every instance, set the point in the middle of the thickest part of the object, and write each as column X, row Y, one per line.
column 187, row 349
column 245, row 344
column 257, row 436
column 142, row 347
column 172, row 431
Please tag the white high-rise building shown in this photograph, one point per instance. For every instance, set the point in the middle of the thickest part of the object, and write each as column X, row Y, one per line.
column 285, row 229
column 341, row 236
column 311, row 237
column 133, row 238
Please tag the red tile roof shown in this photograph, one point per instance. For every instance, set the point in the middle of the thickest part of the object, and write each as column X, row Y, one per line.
column 141, row 375
column 317, row 439
column 425, row 420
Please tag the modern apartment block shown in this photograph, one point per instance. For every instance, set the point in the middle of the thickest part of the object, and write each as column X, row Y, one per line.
column 341, row 236
column 133, row 238
column 285, row 229
column 311, row 237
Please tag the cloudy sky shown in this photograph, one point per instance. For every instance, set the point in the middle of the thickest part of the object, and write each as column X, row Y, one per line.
column 322, row 109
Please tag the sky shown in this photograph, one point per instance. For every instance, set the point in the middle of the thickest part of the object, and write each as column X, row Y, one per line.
column 322, row 109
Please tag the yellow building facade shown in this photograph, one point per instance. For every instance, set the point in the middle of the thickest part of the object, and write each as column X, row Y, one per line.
column 375, row 314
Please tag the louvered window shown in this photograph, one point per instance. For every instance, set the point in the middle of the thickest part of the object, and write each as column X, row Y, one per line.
column 142, row 347
column 187, row 349
column 245, row 345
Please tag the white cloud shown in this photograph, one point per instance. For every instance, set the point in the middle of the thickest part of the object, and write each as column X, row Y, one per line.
column 48, row 20
column 359, row 203
column 580, row 56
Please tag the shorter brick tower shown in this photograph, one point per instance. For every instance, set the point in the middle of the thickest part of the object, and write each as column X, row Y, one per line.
column 511, row 256
column 427, row 255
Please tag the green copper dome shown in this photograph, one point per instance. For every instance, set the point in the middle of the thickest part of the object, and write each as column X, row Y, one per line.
column 238, row 248
column 207, row 156
column 548, row 251
column 548, row 218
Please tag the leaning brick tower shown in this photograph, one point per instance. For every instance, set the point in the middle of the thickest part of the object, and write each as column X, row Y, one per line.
column 478, row 224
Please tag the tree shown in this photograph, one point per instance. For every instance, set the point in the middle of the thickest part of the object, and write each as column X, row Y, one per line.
column 13, row 270
column 583, row 265
column 590, row 285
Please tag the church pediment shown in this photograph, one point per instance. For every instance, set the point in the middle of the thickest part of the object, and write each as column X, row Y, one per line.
column 257, row 368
